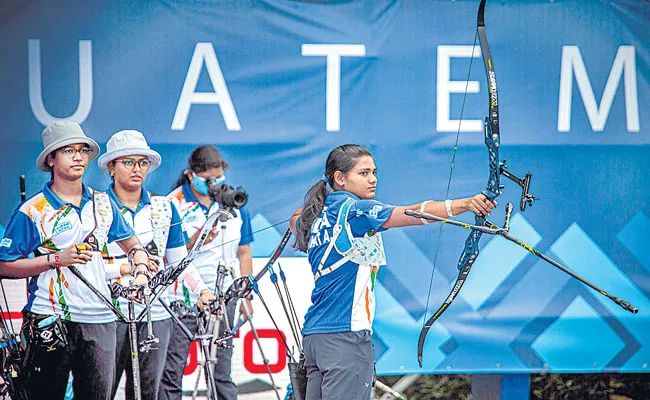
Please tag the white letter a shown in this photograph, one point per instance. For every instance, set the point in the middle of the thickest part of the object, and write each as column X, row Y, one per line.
column 204, row 53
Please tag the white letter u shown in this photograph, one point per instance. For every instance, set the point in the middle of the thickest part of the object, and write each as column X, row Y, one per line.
column 85, row 83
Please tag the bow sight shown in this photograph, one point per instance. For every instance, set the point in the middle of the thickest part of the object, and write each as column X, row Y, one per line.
column 526, row 197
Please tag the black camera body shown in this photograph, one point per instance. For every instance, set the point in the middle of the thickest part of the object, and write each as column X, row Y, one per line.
column 226, row 195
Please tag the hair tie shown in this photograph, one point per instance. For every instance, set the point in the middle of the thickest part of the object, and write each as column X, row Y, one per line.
column 324, row 179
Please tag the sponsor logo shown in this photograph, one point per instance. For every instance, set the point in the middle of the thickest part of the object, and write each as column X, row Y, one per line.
column 191, row 218
column 493, row 89
column 65, row 226
column 454, row 292
column 6, row 242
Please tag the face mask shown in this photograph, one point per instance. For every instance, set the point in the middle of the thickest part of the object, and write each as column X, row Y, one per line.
column 219, row 181
column 201, row 184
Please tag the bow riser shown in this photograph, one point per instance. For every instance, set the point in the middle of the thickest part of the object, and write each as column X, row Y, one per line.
column 492, row 142
column 492, row 189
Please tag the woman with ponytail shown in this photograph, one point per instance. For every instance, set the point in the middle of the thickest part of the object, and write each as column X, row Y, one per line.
column 338, row 227
column 228, row 243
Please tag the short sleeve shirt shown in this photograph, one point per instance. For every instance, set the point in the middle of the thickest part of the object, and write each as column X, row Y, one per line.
column 140, row 220
column 233, row 233
column 46, row 224
column 343, row 300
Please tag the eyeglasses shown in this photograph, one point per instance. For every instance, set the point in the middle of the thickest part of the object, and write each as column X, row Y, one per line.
column 70, row 152
column 130, row 163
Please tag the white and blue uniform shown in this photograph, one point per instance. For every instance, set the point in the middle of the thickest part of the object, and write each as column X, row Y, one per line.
column 343, row 300
column 171, row 245
column 46, row 224
column 231, row 234
column 157, row 226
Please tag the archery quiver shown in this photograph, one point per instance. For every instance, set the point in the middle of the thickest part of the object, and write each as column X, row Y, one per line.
column 12, row 380
column 298, row 377
column 45, row 333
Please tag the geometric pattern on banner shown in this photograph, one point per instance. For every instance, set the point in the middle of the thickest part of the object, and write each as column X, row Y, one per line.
column 549, row 300
column 497, row 260
column 406, row 284
column 555, row 305
column 579, row 348
column 533, row 344
column 634, row 236
column 577, row 251
column 400, row 354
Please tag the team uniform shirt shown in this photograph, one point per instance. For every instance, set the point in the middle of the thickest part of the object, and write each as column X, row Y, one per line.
column 343, row 300
column 46, row 224
column 231, row 234
column 143, row 221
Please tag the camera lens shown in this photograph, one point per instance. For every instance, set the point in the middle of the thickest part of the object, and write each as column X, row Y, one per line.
column 226, row 195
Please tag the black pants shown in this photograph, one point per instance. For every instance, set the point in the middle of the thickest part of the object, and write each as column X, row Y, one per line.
column 179, row 348
column 151, row 363
column 89, row 355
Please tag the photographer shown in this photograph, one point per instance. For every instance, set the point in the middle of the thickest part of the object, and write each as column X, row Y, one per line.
column 198, row 193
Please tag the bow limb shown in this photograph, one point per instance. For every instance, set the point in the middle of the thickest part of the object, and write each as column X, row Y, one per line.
column 492, row 190
column 163, row 279
column 243, row 286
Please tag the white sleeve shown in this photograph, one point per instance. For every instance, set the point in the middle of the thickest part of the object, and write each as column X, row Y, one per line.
column 190, row 274
column 112, row 270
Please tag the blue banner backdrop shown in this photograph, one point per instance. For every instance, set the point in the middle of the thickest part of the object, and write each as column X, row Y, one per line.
column 277, row 84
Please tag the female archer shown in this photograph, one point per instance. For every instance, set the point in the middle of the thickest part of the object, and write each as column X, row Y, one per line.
column 157, row 224
column 68, row 225
column 339, row 229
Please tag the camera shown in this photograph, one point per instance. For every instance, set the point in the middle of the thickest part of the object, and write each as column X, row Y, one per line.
column 226, row 195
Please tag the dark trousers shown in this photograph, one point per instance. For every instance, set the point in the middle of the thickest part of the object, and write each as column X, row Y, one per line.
column 151, row 363
column 226, row 388
column 179, row 348
column 89, row 355
column 177, row 352
column 339, row 365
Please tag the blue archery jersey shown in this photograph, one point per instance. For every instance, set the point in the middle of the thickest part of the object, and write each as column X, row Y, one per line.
column 343, row 300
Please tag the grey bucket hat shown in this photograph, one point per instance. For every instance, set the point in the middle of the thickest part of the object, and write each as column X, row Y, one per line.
column 61, row 134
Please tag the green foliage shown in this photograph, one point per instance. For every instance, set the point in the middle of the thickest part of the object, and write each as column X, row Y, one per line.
column 611, row 386
column 436, row 387
column 590, row 386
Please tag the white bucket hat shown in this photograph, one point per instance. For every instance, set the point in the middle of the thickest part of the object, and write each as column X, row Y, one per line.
column 128, row 143
column 61, row 134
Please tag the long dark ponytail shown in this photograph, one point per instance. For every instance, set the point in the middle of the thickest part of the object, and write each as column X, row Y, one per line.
column 202, row 159
column 342, row 158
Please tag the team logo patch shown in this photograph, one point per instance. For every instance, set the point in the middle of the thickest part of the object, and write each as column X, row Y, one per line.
column 65, row 226
column 46, row 335
column 374, row 211
column 6, row 242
